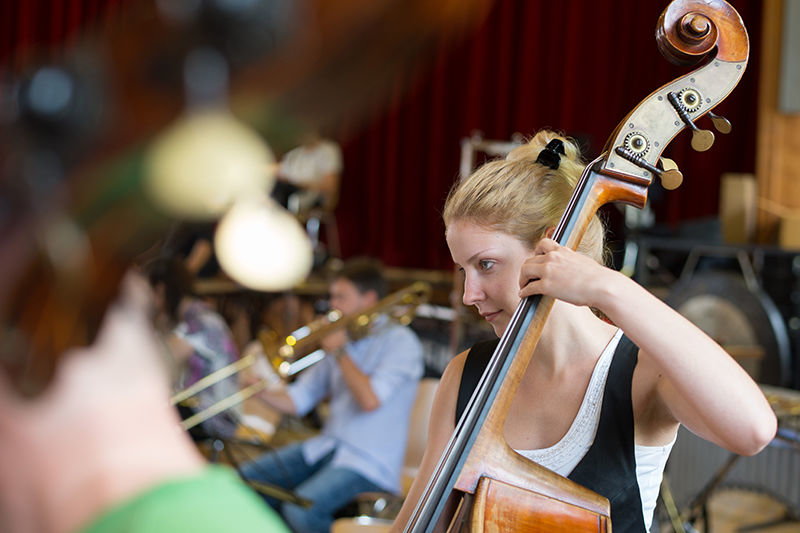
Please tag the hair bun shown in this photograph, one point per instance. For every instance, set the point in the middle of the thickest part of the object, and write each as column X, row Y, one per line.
column 551, row 155
column 530, row 151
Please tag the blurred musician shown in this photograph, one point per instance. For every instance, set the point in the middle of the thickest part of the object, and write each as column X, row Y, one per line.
column 371, row 384
column 100, row 451
column 308, row 175
column 198, row 338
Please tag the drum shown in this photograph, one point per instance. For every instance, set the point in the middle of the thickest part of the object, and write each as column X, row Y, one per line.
column 747, row 321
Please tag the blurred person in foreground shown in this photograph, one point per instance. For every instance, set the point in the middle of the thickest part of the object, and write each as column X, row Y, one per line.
column 101, row 450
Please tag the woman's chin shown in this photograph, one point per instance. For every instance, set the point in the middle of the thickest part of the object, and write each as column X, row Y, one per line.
column 499, row 327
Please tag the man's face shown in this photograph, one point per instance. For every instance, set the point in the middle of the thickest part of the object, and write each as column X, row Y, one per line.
column 346, row 297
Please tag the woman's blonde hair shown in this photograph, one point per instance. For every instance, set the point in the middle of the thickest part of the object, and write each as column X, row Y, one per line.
column 523, row 198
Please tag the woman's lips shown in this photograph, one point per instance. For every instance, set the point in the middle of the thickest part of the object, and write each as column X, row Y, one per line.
column 490, row 316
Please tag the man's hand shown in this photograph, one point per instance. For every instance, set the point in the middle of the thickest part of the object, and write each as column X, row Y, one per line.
column 335, row 342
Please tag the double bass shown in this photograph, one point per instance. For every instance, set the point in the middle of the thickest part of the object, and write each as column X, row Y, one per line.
column 480, row 483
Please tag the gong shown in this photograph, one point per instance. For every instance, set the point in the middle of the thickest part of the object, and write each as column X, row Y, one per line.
column 743, row 320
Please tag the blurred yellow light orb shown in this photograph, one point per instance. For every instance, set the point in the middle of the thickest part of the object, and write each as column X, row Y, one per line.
column 205, row 162
column 262, row 246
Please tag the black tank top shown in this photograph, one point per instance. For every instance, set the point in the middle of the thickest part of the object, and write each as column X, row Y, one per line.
column 609, row 467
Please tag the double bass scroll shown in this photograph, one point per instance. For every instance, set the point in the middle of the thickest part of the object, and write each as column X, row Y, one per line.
column 480, row 483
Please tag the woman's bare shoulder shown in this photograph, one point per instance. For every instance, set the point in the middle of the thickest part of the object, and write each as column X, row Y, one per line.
column 452, row 373
column 447, row 392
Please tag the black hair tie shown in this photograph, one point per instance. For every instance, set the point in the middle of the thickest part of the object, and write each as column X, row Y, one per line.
column 551, row 155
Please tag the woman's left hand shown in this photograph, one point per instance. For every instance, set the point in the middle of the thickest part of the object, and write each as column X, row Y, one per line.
column 563, row 273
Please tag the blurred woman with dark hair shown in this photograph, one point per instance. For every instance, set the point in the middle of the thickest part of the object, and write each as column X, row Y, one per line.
column 198, row 337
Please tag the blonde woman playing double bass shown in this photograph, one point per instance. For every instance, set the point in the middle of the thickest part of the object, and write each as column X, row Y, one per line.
column 599, row 403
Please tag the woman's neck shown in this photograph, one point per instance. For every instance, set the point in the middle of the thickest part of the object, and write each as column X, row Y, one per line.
column 572, row 335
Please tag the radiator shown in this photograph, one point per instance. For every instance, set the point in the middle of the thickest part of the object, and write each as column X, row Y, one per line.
column 775, row 470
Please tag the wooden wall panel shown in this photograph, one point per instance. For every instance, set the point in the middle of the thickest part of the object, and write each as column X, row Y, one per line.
column 778, row 150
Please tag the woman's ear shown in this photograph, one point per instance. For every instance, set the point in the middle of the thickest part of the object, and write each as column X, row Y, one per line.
column 550, row 232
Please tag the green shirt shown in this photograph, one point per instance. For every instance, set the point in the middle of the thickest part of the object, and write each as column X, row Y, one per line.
column 215, row 501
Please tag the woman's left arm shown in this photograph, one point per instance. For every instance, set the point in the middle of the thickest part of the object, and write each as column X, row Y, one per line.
column 701, row 385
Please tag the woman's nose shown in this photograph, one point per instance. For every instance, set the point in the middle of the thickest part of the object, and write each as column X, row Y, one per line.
column 472, row 291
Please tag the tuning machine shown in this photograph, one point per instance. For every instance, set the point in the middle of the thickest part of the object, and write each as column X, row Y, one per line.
column 722, row 124
column 671, row 178
column 687, row 101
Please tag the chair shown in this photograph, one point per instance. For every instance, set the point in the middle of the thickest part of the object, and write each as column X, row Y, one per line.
column 313, row 219
column 361, row 524
column 378, row 509
column 313, row 209
column 418, row 431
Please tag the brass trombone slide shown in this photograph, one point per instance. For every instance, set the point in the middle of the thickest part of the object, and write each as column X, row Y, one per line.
column 291, row 355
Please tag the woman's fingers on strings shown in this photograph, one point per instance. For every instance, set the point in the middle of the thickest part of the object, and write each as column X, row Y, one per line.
column 530, row 279
column 531, row 288
column 546, row 245
column 535, row 267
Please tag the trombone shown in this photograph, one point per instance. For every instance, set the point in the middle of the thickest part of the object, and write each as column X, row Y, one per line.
column 294, row 353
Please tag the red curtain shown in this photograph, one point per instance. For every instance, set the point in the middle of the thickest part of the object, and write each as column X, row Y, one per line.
column 571, row 65
column 36, row 30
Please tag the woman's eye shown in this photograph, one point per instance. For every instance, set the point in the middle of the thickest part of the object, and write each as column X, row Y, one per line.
column 486, row 264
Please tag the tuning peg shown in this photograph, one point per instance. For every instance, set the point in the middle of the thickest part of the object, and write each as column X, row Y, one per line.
column 702, row 140
column 722, row 124
column 671, row 177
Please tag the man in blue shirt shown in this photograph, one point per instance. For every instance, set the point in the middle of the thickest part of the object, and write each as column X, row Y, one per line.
column 371, row 384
